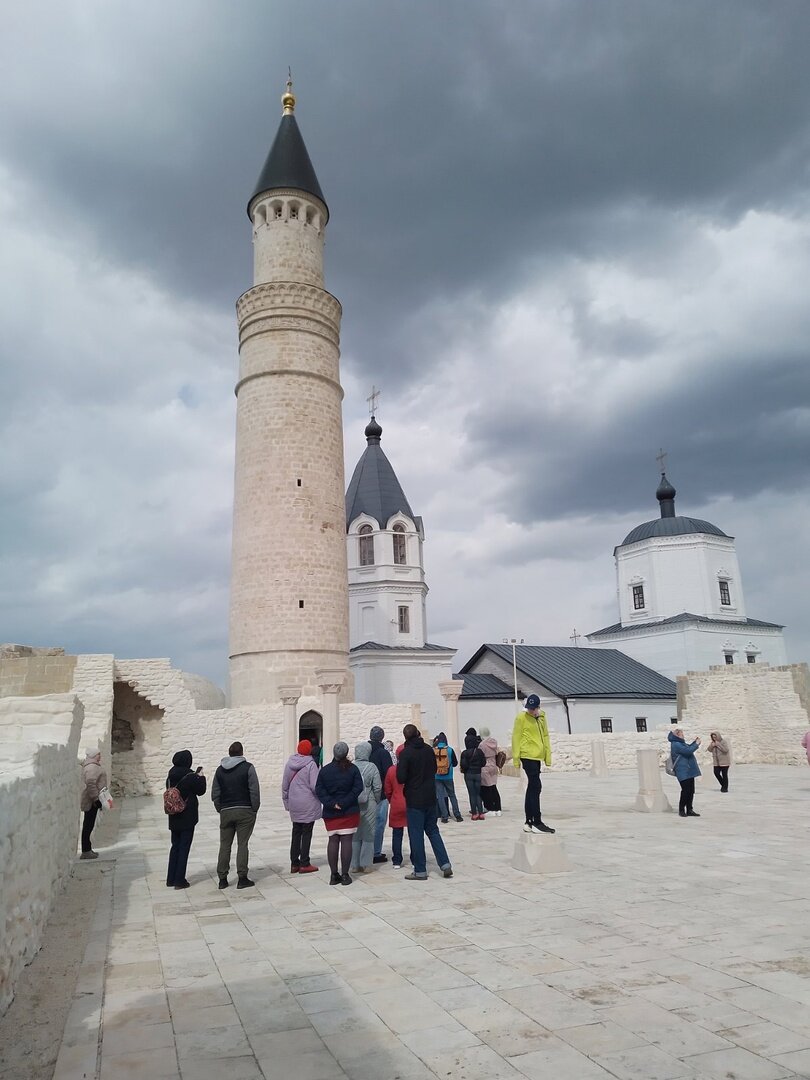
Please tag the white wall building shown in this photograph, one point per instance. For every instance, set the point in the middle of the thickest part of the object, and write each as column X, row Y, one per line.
column 582, row 691
column 681, row 600
column 391, row 658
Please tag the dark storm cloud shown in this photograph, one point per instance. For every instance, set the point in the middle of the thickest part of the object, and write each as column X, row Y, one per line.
column 471, row 154
column 455, row 144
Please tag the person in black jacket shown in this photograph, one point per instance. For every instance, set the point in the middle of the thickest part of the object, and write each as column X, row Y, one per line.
column 416, row 771
column 380, row 757
column 236, row 796
column 339, row 786
column 473, row 760
column 181, row 826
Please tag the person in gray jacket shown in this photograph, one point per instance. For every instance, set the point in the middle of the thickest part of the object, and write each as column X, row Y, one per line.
column 235, row 794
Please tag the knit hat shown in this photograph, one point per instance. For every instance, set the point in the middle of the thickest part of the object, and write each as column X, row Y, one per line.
column 376, row 734
column 304, row 747
column 182, row 759
column 90, row 754
column 340, row 751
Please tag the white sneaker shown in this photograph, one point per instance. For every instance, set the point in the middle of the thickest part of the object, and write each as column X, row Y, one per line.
column 497, row 813
column 529, row 828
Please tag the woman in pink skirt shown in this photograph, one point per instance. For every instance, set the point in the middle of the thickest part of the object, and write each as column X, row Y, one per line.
column 339, row 788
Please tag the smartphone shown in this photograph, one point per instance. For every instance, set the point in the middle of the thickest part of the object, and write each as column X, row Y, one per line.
column 199, row 768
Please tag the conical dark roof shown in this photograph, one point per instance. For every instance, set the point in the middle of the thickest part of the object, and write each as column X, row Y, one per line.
column 288, row 164
column 374, row 488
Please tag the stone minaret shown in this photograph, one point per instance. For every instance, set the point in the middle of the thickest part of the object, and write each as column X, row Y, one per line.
column 289, row 592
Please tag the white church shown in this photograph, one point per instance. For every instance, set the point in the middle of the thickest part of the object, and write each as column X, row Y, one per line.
column 681, row 600
column 390, row 656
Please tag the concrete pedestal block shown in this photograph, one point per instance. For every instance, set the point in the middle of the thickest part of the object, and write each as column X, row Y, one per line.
column 651, row 798
column 598, row 759
column 540, row 853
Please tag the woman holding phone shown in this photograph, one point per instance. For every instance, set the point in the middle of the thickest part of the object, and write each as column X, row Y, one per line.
column 190, row 784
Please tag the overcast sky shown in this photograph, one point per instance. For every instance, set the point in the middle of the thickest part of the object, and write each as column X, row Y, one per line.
column 564, row 233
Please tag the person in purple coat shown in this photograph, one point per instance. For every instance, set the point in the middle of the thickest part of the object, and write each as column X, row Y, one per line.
column 304, row 806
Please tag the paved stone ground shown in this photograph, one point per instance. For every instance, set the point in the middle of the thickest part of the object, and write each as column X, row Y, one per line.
column 675, row 948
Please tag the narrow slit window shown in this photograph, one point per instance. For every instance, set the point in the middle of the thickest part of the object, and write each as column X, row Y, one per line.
column 366, row 545
column 400, row 545
column 300, row 603
column 638, row 597
column 404, row 619
column 725, row 594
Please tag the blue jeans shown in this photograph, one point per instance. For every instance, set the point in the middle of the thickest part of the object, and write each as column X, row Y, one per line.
column 446, row 789
column 379, row 830
column 396, row 846
column 422, row 823
column 473, row 782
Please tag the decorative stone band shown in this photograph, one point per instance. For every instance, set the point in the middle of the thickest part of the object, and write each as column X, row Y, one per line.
column 289, row 371
column 267, row 322
column 292, row 295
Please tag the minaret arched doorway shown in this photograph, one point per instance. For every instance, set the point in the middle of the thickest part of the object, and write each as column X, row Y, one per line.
column 310, row 726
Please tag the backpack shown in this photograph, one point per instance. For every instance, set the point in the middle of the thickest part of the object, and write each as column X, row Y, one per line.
column 669, row 765
column 173, row 801
column 442, row 760
column 500, row 759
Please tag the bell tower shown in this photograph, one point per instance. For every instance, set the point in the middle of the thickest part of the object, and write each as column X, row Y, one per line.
column 289, row 591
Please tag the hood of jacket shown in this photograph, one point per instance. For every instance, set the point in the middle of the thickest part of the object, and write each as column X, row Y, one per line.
column 490, row 743
column 298, row 761
column 362, row 752
column 471, row 741
column 232, row 762
column 673, row 738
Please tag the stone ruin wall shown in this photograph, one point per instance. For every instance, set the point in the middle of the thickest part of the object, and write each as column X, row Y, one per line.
column 40, row 783
column 762, row 710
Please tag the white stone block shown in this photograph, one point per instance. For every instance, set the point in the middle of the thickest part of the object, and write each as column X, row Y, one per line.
column 540, row 853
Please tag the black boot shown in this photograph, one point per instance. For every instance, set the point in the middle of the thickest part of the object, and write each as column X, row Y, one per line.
column 539, row 824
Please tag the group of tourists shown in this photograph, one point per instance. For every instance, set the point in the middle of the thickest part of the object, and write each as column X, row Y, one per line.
column 410, row 788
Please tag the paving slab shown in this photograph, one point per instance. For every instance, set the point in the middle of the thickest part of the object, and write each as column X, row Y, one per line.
column 671, row 949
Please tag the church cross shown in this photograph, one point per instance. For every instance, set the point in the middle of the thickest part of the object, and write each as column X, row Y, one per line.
column 575, row 638
column 372, row 400
column 661, row 458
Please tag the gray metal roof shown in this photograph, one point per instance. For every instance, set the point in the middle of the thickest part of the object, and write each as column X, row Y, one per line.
column 288, row 164
column 582, row 673
column 374, row 646
column 686, row 617
column 374, row 488
column 671, row 526
column 485, row 686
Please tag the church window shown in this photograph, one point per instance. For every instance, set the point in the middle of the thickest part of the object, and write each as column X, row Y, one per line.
column 725, row 594
column 400, row 545
column 293, row 213
column 638, row 597
column 366, row 542
column 404, row 619
column 729, row 657
column 607, row 725
column 751, row 658
column 277, row 211
column 641, row 723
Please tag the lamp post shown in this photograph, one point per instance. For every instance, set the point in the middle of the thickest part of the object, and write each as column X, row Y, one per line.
column 514, row 642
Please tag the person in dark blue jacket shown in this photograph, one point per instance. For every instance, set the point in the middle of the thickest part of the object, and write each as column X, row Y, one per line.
column 686, row 769
column 339, row 786
column 181, row 826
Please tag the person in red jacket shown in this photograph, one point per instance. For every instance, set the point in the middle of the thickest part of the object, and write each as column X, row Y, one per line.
column 397, row 815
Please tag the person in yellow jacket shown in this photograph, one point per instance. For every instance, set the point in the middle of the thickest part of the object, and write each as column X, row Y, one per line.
column 531, row 747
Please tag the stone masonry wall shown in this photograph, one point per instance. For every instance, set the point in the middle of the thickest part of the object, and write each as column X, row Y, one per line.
column 40, row 783
column 763, row 710
column 27, row 672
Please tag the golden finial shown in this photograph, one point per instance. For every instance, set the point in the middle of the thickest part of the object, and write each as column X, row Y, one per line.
column 288, row 98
